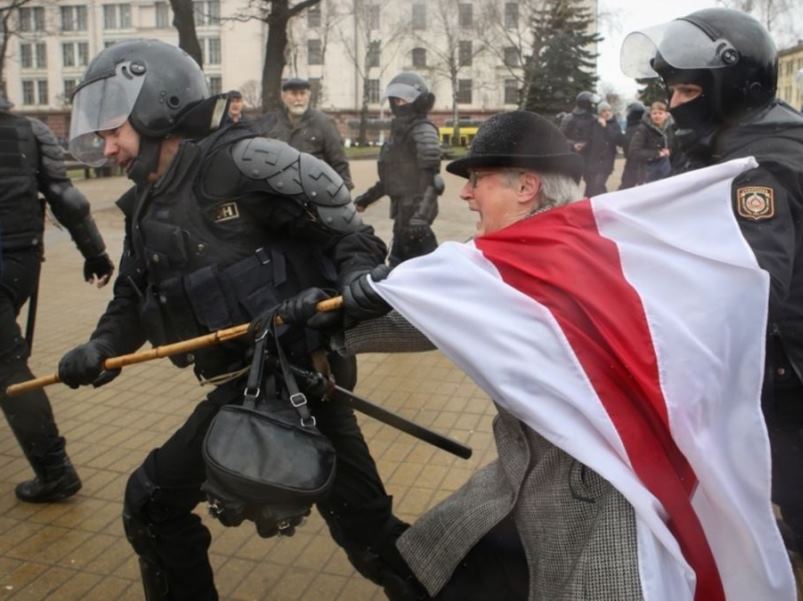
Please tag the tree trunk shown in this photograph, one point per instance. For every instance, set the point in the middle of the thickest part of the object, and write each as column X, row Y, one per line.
column 455, row 113
column 274, row 55
column 184, row 22
column 362, row 134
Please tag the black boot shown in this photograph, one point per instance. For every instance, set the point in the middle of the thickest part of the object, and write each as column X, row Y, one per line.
column 55, row 480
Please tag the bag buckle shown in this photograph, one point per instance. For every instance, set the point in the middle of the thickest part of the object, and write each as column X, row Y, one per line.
column 251, row 394
column 297, row 399
column 262, row 256
column 309, row 422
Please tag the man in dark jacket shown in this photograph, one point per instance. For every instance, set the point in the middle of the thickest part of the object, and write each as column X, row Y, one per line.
column 634, row 114
column 305, row 128
column 32, row 162
column 408, row 166
column 720, row 67
column 218, row 231
column 606, row 135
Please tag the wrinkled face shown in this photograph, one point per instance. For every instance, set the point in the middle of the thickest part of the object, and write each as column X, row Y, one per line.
column 296, row 101
column 683, row 93
column 236, row 108
column 498, row 195
column 121, row 144
column 658, row 116
column 606, row 114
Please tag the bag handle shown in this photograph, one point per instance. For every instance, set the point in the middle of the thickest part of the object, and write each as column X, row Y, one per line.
column 297, row 398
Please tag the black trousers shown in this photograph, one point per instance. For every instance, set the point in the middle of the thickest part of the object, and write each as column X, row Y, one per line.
column 29, row 415
column 595, row 183
column 407, row 244
column 358, row 511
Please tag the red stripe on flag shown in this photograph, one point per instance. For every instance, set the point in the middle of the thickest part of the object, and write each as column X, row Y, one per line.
column 560, row 260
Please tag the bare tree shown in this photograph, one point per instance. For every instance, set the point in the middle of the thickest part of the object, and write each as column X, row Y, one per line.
column 452, row 46
column 8, row 13
column 252, row 93
column 184, row 22
column 780, row 17
column 276, row 14
column 368, row 50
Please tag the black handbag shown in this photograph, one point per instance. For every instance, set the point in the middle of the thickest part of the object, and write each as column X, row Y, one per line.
column 265, row 459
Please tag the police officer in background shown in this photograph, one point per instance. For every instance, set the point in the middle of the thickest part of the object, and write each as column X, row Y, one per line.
column 408, row 167
column 720, row 68
column 219, row 229
column 579, row 127
column 305, row 128
column 32, row 162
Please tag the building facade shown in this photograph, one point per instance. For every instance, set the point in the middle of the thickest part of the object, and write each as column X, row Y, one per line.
column 348, row 49
column 790, row 75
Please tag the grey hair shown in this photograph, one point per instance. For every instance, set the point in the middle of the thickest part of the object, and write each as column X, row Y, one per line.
column 556, row 189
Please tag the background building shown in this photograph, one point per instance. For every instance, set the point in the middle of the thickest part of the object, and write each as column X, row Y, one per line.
column 790, row 62
column 473, row 50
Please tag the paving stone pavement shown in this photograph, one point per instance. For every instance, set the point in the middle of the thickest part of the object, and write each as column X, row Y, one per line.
column 76, row 550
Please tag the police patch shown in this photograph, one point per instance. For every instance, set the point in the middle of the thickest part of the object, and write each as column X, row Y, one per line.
column 755, row 202
column 226, row 212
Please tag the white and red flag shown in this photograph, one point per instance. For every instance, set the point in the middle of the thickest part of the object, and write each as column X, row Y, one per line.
column 629, row 331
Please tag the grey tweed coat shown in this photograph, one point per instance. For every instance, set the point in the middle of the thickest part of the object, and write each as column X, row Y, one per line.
column 578, row 532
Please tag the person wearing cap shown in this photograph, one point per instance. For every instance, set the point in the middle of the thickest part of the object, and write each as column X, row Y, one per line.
column 234, row 114
column 534, row 523
column 408, row 168
column 305, row 128
column 32, row 163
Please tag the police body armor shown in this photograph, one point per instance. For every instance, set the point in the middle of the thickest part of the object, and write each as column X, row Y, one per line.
column 21, row 212
column 210, row 265
column 398, row 165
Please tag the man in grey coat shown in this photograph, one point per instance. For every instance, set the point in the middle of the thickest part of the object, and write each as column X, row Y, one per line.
column 305, row 128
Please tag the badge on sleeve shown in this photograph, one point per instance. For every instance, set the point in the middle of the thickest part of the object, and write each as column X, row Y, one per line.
column 226, row 212
column 755, row 202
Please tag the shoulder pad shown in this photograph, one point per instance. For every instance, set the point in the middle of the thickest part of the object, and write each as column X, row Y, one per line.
column 287, row 172
column 48, row 144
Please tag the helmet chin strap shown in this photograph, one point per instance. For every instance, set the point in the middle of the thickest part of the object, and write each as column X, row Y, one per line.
column 147, row 161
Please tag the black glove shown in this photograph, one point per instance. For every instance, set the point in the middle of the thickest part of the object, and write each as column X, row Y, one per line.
column 360, row 301
column 361, row 201
column 417, row 228
column 99, row 267
column 300, row 309
column 84, row 365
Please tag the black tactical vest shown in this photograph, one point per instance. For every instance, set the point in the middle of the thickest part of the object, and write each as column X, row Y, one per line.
column 208, row 264
column 398, row 159
column 21, row 212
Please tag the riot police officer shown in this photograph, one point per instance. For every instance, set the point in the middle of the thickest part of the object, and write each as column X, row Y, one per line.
column 218, row 229
column 408, row 166
column 578, row 127
column 720, row 67
column 32, row 162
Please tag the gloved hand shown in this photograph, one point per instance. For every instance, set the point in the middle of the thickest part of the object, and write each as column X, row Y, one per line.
column 300, row 309
column 98, row 269
column 417, row 228
column 360, row 202
column 84, row 365
column 360, row 301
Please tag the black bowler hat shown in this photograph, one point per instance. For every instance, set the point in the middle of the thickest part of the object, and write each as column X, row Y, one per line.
column 520, row 139
column 295, row 83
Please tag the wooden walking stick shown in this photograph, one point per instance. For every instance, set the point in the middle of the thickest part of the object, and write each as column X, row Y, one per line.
column 185, row 346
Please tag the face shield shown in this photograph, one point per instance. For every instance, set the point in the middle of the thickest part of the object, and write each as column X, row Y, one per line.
column 401, row 90
column 682, row 44
column 100, row 105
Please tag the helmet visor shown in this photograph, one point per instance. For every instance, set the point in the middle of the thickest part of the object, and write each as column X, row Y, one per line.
column 401, row 90
column 681, row 44
column 101, row 105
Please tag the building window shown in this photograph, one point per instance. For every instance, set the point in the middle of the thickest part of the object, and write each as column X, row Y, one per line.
column 75, row 54
column 109, row 43
column 465, row 53
column 372, row 89
column 162, row 15
column 32, row 18
column 374, row 54
column 73, row 18
column 69, row 88
column 207, row 12
column 33, row 55
column 314, row 53
column 465, row 14
column 116, row 16
column 464, row 91
column 511, row 91
column 210, row 51
column 314, row 16
column 419, row 15
column 215, row 84
column 372, row 17
column 511, row 56
column 314, row 90
column 34, row 91
column 511, row 15
column 419, row 57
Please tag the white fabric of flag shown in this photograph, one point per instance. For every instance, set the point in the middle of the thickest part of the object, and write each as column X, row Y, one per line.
column 629, row 330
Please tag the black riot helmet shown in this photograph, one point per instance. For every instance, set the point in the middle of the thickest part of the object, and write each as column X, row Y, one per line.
column 412, row 88
column 587, row 101
column 156, row 86
column 729, row 54
column 634, row 112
